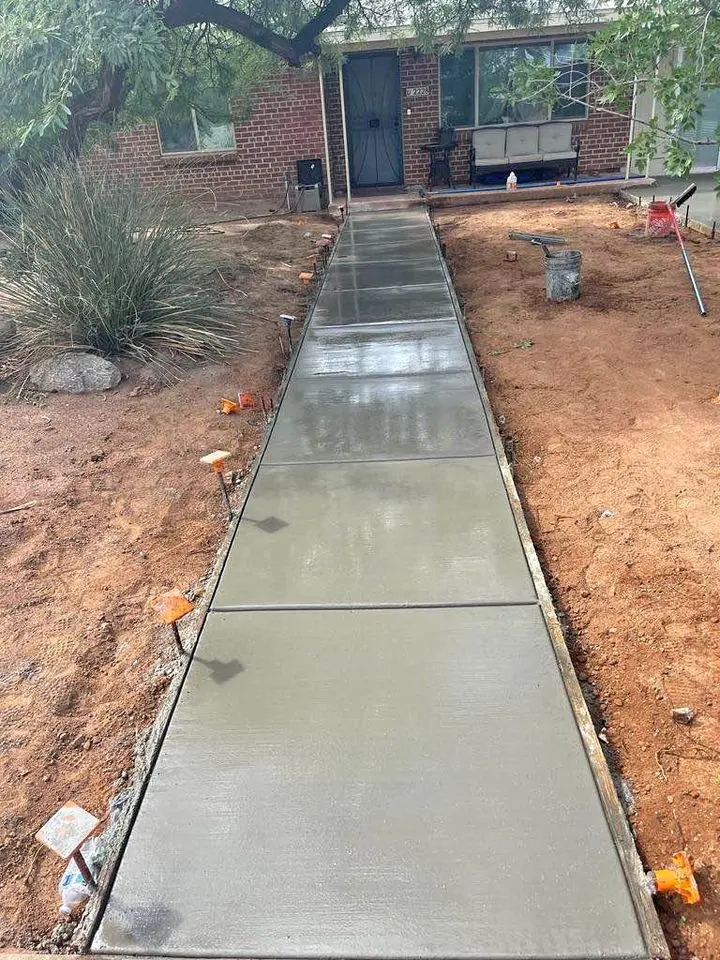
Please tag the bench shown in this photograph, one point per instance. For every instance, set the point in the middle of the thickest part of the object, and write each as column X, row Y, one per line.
column 522, row 146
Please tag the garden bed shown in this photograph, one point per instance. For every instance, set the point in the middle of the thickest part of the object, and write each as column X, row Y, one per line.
column 609, row 410
column 122, row 511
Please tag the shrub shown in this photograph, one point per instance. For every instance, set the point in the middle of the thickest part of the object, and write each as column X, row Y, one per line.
column 102, row 264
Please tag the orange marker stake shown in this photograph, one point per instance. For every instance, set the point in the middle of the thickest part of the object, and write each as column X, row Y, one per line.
column 247, row 401
column 216, row 460
column 228, row 406
column 171, row 607
column 677, row 879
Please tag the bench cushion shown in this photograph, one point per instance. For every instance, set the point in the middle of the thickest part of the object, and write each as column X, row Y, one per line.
column 522, row 142
column 556, row 138
column 562, row 155
column 489, row 145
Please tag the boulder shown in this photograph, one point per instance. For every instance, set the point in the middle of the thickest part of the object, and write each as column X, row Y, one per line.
column 74, row 373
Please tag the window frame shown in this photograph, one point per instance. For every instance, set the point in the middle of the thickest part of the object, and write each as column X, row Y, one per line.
column 199, row 152
column 529, row 42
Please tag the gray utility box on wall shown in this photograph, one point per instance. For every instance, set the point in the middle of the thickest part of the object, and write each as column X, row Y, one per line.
column 308, row 198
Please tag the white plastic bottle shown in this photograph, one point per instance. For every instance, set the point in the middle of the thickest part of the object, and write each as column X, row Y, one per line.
column 72, row 889
column 511, row 182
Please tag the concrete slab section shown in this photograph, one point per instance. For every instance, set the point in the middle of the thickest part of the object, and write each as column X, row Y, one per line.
column 380, row 418
column 369, row 534
column 391, row 304
column 359, row 276
column 383, row 252
column 374, row 784
column 403, row 219
column 382, row 350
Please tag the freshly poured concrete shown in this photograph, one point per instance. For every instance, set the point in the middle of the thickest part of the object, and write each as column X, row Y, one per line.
column 377, row 418
column 354, row 782
column 374, row 350
column 396, row 532
column 372, row 784
column 430, row 301
column 372, row 275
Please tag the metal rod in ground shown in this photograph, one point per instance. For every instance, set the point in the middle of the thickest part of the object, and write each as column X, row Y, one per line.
column 226, row 498
column 688, row 267
column 687, row 214
column 176, row 637
column 84, row 870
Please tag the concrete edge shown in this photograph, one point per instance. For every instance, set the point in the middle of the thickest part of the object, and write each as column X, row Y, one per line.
column 479, row 198
column 619, row 827
column 147, row 756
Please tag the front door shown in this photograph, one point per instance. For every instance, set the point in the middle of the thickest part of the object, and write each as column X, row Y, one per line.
column 372, row 103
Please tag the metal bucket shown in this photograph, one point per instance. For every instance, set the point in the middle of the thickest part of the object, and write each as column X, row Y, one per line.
column 563, row 271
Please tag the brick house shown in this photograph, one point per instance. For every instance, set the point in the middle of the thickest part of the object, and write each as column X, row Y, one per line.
column 380, row 106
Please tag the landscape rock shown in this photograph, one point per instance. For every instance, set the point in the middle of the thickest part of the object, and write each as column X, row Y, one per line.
column 74, row 373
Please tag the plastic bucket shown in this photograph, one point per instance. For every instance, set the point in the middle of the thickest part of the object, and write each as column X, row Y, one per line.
column 660, row 220
column 563, row 270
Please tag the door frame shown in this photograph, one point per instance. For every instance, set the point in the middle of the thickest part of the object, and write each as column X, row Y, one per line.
column 366, row 55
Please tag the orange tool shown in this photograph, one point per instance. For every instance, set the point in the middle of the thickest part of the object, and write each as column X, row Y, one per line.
column 677, row 879
column 228, row 406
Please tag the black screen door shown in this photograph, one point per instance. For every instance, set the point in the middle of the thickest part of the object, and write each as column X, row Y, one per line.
column 372, row 102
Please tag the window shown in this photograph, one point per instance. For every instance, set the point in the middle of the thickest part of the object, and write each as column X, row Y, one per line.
column 206, row 127
column 457, row 82
column 469, row 83
column 572, row 79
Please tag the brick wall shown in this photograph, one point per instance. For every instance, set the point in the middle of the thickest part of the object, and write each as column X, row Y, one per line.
column 285, row 125
column 336, row 142
column 420, row 114
column 602, row 139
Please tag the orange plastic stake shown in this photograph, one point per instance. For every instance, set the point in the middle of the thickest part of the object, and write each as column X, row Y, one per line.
column 216, row 460
column 247, row 401
column 677, row 879
column 306, row 278
column 229, row 406
column 171, row 607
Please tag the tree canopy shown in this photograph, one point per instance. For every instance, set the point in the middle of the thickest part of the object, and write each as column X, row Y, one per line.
column 666, row 52
column 67, row 66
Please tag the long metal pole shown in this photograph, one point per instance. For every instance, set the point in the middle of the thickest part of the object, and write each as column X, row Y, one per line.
column 325, row 133
column 691, row 273
column 345, row 136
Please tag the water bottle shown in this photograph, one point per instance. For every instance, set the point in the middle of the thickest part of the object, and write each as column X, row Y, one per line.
column 511, row 182
column 72, row 889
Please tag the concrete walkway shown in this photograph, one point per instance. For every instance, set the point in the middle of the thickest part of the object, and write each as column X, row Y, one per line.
column 374, row 754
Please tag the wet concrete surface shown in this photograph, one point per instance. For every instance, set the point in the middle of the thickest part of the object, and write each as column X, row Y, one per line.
column 376, row 274
column 374, row 755
column 369, row 784
column 376, row 350
column 378, row 418
column 391, row 532
column 429, row 301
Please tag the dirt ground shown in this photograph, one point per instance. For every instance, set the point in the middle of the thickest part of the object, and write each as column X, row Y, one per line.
column 609, row 410
column 123, row 511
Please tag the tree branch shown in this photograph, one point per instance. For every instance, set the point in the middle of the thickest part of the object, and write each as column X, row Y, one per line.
column 95, row 105
column 305, row 41
column 180, row 13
